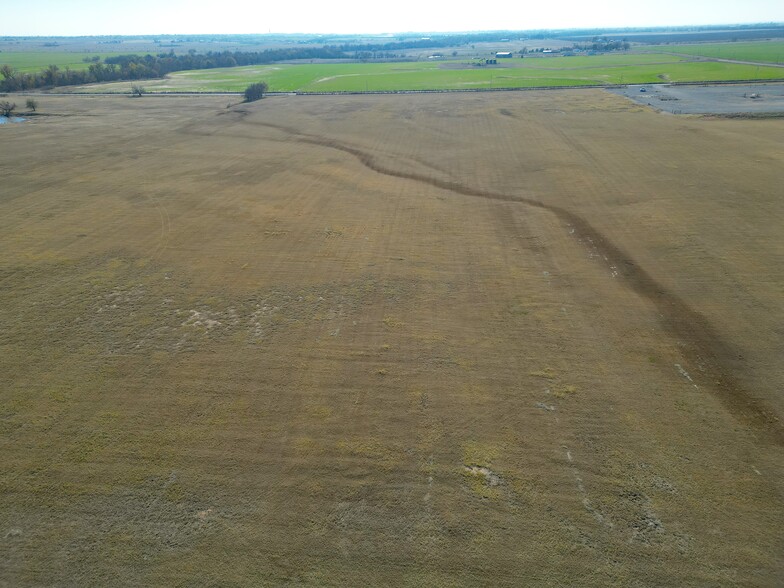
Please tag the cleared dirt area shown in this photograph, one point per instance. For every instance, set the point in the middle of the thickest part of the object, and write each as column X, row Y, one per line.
column 719, row 99
column 423, row 340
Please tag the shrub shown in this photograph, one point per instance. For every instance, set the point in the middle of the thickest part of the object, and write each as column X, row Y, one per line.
column 6, row 108
column 255, row 91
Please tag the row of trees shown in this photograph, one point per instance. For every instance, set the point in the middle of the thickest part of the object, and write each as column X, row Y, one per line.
column 140, row 67
column 7, row 108
column 437, row 41
column 601, row 44
column 14, row 80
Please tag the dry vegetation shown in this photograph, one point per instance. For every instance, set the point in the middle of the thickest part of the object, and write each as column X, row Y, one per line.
column 452, row 340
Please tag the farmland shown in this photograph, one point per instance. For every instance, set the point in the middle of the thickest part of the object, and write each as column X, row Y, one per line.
column 434, row 75
column 415, row 340
column 643, row 65
column 35, row 61
column 769, row 52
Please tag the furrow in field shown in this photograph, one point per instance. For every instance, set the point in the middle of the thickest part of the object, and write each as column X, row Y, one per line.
column 703, row 344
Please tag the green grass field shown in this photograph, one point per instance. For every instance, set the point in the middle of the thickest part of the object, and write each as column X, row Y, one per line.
column 634, row 68
column 419, row 76
column 34, row 61
column 768, row 52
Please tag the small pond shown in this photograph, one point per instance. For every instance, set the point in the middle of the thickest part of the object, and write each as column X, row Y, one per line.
column 13, row 119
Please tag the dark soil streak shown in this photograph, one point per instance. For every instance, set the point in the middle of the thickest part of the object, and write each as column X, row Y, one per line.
column 700, row 343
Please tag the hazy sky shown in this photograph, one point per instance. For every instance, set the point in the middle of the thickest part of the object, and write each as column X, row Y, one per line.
column 113, row 17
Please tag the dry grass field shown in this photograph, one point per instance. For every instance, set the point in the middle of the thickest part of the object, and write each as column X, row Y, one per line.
column 425, row 340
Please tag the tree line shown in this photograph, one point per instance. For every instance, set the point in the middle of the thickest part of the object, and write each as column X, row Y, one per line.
column 140, row 67
column 601, row 44
column 433, row 42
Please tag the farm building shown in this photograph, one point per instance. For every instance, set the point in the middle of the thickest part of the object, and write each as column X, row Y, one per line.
column 503, row 54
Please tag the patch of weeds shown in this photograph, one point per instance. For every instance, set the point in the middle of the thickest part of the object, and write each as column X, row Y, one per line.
column 418, row 399
column 475, row 452
column 320, row 412
column 307, row 446
column 174, row 492
column 490, row 477
column 466, row 364
column 482, row 481
column 547, row 373
column 372, row 450
column 391, row 322
column 59, row 395
column 84, row 448
column 564, row 391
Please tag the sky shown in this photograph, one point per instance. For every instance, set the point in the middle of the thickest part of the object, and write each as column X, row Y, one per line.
column 137, row 17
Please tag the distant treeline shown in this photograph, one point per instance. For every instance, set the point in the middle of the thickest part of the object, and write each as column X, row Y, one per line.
column 141, row 67
column 688, row 36
column 436, row 41
column 600, row 44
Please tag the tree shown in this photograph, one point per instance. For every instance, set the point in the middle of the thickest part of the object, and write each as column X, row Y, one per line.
column 31, row 104
column 6, row 108
column 137, row 91
column 51, row 75
column 255, row 91
column 8, row 72
column 10, row 79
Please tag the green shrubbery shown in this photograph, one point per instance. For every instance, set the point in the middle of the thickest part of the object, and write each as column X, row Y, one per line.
column 255, row 91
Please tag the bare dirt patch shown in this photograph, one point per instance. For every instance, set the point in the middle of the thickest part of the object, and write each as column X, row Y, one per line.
column 725, row 99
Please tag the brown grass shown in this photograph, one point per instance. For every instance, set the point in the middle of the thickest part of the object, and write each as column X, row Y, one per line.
column 310, row 341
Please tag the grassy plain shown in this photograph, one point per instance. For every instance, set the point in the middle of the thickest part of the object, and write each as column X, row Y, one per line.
column 35, row 61
column 422, row 340
column 768, row 51
column 432, row 75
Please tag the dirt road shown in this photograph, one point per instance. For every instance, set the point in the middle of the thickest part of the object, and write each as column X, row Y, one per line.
column 447, row 340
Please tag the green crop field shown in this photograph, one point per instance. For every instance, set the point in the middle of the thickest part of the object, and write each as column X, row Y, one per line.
column 768, row 52
column 634, row 68
column 520, row 73
column 34, row 61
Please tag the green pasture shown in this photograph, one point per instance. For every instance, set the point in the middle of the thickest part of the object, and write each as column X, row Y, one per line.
column 350, row 77
column 35, row 61
column 628, row 68
column 763, row 51
column 584, row 61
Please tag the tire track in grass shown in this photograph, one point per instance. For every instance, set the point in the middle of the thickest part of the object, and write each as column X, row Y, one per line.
column 701, row 343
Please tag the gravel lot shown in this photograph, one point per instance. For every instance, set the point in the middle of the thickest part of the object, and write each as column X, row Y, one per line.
column 719, row 99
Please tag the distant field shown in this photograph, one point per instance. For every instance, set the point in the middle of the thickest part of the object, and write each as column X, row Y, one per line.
column 33, row 61
column 519, row 73
column 769, row 52
column 451, row 74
